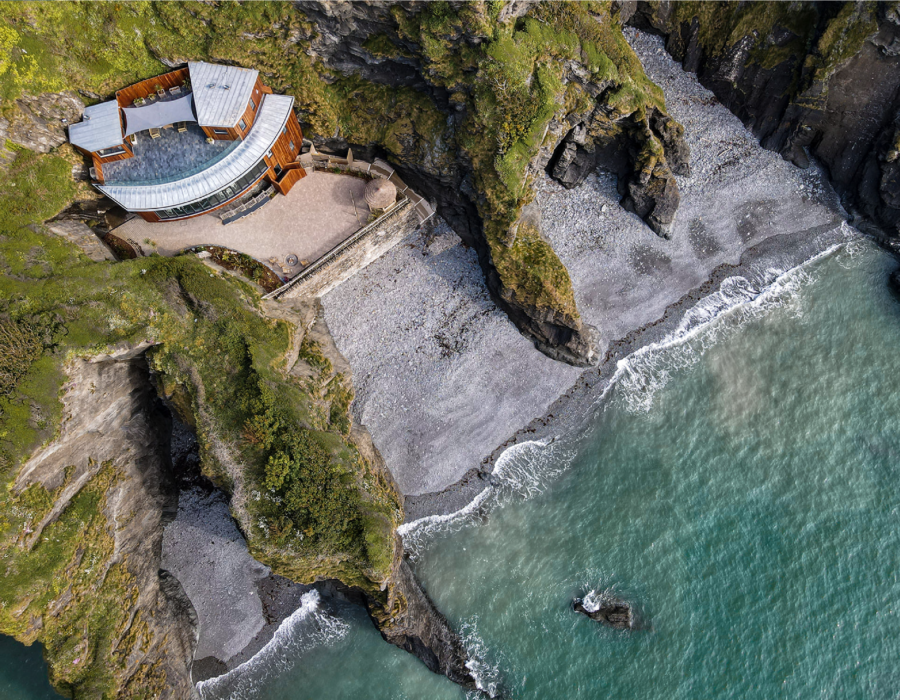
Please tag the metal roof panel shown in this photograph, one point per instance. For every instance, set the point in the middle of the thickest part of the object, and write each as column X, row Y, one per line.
column 221, row 93
column 272, row 115
column 99, row 129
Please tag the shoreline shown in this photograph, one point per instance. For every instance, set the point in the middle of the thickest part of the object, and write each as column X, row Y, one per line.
column 567, row 412
column 442, row 377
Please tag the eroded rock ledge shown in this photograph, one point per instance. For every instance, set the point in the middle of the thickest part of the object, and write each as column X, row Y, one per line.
column 110, row 620
column 812, row 79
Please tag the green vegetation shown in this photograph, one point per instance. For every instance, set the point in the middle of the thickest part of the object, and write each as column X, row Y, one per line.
column 218, row 356
column 723, row 24
column 381, row 45
column 20, row 346
column 245, row 264
column 35, row 188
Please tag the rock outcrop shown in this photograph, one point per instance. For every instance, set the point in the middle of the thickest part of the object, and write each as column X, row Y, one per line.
column 39, row 122
column 612, row 612
column 413, row 623
column 644, row 150
column 813, row 79
column 111, row 622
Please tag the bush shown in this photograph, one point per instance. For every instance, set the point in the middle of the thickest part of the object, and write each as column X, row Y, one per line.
column 317, row 496
column 20, row 346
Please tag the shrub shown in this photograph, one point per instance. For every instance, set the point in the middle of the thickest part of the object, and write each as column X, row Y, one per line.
column 317, row 495
column 20, row 346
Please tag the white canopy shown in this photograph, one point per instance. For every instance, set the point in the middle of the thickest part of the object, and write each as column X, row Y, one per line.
column 158, row 114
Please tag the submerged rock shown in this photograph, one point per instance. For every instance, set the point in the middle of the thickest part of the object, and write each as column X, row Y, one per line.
column 609, row 610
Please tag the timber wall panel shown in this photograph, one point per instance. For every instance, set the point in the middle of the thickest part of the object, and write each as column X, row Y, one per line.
column 283, row 154
column 288, row 179
column 126, row 96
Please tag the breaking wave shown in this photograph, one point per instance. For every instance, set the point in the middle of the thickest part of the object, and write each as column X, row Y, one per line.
column 739, row 300
column 486, row 674
column 307, row 627
column 525, row 469
column 521, row 472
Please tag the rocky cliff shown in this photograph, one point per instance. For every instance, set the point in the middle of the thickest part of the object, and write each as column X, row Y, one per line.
column 268, row 396
column 812, row 80
column 469, row 101
column 82, row 572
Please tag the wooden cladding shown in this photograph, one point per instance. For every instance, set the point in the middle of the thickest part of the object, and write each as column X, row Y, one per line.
column 126, row 96
column 220, row 134
column 288, row 179
column 287, row 147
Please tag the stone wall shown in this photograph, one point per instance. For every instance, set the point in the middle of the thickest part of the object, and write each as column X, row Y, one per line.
column 364, row 247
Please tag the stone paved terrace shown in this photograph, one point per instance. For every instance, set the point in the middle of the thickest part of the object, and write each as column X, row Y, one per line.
column 169, row 157
column 310, row 220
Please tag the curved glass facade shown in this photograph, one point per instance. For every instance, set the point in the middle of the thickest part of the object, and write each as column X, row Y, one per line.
column 216, row 199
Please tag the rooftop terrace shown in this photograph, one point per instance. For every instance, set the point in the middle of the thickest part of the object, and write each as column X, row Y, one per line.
column 170, row 157
column 213, row 174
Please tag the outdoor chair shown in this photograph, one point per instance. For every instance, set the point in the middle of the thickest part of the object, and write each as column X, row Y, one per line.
column 154, row 133
column 180, row 127
column 175, row 90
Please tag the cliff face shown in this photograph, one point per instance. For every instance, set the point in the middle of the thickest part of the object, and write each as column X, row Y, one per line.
column 518, row 88
column 809, row 79
column 82, row 572
column 269, row 397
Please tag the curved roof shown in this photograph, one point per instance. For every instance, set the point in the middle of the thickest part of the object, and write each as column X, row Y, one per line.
column 99, row 129
column 221, row 93
column 270, row 120
column 158, row 114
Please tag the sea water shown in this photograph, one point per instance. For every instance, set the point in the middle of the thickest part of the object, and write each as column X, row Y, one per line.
column 739, row 484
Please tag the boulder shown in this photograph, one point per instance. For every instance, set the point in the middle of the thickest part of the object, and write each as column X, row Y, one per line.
column 608, row 610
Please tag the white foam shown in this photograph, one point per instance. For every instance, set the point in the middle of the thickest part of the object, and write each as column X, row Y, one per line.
column 307, row 627
column 643, row 373
column 486, row 674
column 524, row 469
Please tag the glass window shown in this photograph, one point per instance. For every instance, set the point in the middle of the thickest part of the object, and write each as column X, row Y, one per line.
column 242, row 124
column 292, row 145
column 107, row 152
column 220, row 131
column 252, row 104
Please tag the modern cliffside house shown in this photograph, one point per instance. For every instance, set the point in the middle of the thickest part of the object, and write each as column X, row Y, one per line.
column 191, row 141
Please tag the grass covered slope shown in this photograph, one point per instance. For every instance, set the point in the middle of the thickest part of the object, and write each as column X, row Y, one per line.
column 314, row 506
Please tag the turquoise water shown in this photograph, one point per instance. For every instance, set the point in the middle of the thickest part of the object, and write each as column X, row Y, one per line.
column 23, row 673
column 740, row 487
